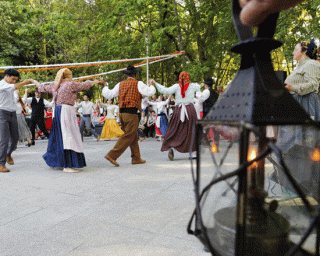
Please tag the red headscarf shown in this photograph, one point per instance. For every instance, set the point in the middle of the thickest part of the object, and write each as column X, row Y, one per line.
column 184, row 81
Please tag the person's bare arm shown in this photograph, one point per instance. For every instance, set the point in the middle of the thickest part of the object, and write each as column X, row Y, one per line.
column 25, row 82
column 255, row 12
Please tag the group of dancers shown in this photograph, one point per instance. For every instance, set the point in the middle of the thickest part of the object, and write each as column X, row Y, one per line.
column 65, row 149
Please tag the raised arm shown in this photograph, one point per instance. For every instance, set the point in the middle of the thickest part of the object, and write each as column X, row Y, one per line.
column 81, row 86
column 110, row 94
column 164, row 90
column 25, row 82
column 48, row 88
column 48, row 103
column 145, row 89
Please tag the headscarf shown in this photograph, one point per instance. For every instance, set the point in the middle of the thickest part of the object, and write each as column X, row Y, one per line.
column 62, row 73
column 184, row 81
column 312, row 50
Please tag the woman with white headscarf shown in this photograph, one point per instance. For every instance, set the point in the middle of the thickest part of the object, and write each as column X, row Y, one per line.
column 65, row 145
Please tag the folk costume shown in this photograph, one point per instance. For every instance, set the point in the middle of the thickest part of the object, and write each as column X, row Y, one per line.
column 111, row 129
column 179, row 132
column 130, row 92
column 305, row 80
column 161, row 123
column 38, row 105
column 24, row 130
column 65, row 148
column 209, row 100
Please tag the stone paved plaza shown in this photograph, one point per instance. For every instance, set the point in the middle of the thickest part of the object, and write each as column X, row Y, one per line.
column 103, row 210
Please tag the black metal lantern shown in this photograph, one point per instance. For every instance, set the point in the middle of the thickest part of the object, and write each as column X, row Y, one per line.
column 257, row 194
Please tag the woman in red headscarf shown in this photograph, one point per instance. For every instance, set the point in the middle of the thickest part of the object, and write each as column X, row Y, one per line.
column 179, row 132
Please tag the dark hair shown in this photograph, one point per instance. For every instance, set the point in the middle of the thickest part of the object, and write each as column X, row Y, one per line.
column 310, row 48
column 86, row 95
column 12, row 72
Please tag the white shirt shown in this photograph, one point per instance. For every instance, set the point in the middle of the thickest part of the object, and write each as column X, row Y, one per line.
column 46, row 103
column 159, row 105
column 87, row 107
column 7, row 101
column 142, row 88
column 201, row 97
column 144, row 102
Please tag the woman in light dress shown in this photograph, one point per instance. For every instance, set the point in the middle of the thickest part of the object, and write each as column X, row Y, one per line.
column 24, row 130
column 111, row 128
column 161, row 124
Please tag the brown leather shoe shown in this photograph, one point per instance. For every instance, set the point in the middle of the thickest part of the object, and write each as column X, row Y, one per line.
column 111, row 160
column 10, row 160
column 4, row 169
column 140, row 161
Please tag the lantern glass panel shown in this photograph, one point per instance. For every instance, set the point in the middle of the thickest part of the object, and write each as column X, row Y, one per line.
column 300, row 148
column 287, row 220
column 219, row 147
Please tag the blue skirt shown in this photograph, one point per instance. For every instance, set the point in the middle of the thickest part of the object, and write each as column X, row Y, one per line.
column 311, row 104
column 163, row 123
column 56, row 155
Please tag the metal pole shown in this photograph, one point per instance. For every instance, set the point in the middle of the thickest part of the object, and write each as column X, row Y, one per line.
column 147, row 42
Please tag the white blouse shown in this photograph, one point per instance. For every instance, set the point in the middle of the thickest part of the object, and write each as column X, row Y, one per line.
column 160, row 105
column 306, row 77
column 201, row 97
column 111, row 110
column 175, row 89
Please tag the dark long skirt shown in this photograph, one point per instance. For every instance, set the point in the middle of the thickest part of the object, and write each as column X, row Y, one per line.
column 179, row 134
column 57, row 155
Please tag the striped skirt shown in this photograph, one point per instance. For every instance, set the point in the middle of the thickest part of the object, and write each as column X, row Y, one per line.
column 311, row 104
column 65, row 144
column 24, row 130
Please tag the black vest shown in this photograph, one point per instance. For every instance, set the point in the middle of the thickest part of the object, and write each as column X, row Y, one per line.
column 37, row 108
column 208, row 103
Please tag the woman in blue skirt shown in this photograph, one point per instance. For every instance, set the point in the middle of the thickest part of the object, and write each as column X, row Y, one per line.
column 65, row 148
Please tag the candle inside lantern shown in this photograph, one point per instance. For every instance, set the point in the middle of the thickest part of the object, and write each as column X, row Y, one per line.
column 214, row 148
column 252, row 169
column 252, row 155
column 316, row 155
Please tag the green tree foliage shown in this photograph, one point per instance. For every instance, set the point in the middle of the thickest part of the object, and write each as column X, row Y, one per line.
column 64, row 31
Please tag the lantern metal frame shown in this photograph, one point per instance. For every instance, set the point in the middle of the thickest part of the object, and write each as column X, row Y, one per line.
column 255, row 98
